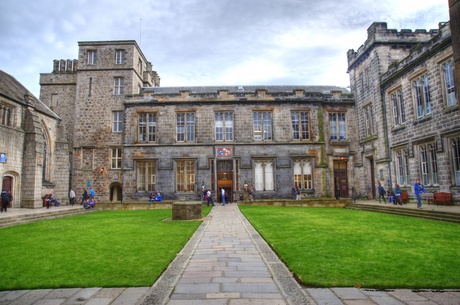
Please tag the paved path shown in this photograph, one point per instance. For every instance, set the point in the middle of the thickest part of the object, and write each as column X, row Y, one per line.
column 226, row 262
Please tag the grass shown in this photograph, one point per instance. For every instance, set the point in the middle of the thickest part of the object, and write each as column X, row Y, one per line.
column 103, row 249
column 330, row 247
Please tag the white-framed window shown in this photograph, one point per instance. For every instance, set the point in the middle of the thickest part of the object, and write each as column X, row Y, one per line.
column 399, row 112
column 455, row 159
column 449, row 83
column 185, row 127
column 117, row 121
column 139, row 66
column 264, row 175
column 337, row 126
column 147, row 127
column 116, row 158
column 91, row 59
column 146, row 176
column 262, row 123
column 300, row 125
column 185, row 176
column 119, row 57
column 303, row 173
column 119, row 86
column 428, row 164
column 421, row 92
column 368, row 120
column 402, row 167
column 224, row 126
column 6, row 115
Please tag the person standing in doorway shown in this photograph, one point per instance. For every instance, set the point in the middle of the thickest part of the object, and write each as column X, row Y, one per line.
column 222, row 196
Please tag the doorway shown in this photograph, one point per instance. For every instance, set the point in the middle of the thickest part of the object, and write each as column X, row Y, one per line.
column 7, row 185
column 115, row 192
column 340, row 178
column 225, row 180
column 372, row 186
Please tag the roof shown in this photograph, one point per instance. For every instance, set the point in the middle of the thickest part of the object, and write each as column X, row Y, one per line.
column 242, row 89
column 12, row 89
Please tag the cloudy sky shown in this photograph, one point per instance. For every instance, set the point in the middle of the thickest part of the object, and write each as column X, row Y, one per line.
column 208, row 42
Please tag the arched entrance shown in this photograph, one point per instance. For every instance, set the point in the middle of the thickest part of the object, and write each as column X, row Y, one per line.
column 116, row 192
column 7, row 185
column 225, row 179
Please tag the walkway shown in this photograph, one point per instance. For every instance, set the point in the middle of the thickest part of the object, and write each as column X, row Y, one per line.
column 227, row 262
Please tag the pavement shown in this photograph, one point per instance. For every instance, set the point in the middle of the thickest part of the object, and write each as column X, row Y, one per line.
column 226, row 262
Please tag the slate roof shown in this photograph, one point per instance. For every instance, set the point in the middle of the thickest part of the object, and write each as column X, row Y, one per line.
column 13, row 90
column 245, row 89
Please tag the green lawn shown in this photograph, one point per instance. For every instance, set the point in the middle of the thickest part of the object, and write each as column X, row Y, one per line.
column 102, row 249
column 331, row 247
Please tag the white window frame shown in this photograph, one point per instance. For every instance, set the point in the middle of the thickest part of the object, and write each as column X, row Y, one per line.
column 397, row 103
column 300, row 125
column 223, row 126
column 402, row 167
column 455, row 160
column 338, row 126
column 262, row 126
column 448, row 77
column 422, row 98
column 185, row 127
column 117, row 121
column 118, row 85
column 147, row 127
column 116, row 158
column 264, row 175
column 91, row 57
column 303, row 173
column 428, row 164
column 185, row 175
column 145, row 170
column 120, row 57
column 369, row 120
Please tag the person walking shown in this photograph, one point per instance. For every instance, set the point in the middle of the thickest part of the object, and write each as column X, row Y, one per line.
column 209, row 198
column 297, row 193
column 418, row 190
column 222, row 196
column 381, row 191
column 72, row 197
column 353, row 193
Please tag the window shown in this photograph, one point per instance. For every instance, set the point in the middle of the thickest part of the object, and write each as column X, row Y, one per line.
column 449, row 83
column 368, row 120
column 402, row 167
column 185, row 176
column 91, row 58
column 146, row 176
column 224, row 126
column 117, row 124
column 119, row 57
column 455, row 155
column 421, row 91
column 428, row 165
column 119, row 86
column 399, row 113
column 139, row 66
column 6, row 113
column 300, row 126
column 262, row 125
column 147, row 127
column 116, row 158
column 337, row 125
column 264, row 176
column 185, row 127
column 303, row 174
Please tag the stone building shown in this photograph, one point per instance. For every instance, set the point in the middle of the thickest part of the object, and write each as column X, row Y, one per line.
column 88, row 94
column 270, row 138
column 407, row 108
column 34, row 158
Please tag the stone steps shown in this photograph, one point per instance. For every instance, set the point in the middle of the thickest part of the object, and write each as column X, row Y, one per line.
column 421, row 213
column 32, row 217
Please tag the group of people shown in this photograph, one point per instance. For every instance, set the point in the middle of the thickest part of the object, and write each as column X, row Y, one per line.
column 394, row 195
column 87, row 199
column 155, row 197
column 6, row 199
column 49, row 201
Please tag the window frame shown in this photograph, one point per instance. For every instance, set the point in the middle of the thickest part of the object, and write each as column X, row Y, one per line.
column 300, row 125
column 147, row 126
column 185, row 180
column 448, row 83
column 185, row 127
column 422, row 96
column 429, row 173
column 262, row 124
column 402, row 168
column 337, row 126
column 368, row 121
column 264, row 175
column 302, row 170
column 91, row 58
column 117, row 121
column 455, row 160
column 146, row 173
column 120, row 57
column 118, row 85
column 226, row 126
column 398, row 107
column 6, row 115
column 116, row 158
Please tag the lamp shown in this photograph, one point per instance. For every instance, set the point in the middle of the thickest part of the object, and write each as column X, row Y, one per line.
column 101, row 170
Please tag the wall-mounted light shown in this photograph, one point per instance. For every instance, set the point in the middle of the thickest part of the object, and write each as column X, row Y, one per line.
column 101, row 170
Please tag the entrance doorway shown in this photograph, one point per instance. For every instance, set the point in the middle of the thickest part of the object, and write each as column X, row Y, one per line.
column 340, row 178
column 115, row 192
column 225, row 180
column 7, row 185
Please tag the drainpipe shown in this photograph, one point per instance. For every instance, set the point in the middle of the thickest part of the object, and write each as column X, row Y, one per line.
column 385, row 131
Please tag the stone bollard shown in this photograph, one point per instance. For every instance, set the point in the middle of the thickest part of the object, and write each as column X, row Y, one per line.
column 186, row 210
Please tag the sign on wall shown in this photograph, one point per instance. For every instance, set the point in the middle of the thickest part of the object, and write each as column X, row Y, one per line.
column 224, row 152
column 2, row 158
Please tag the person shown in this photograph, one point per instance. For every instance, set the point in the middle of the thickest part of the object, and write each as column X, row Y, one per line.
column 391, row 196
column 222, row 196
column 337, row 192
column 84, row 196
column 53, row 200
column 297, row 193
column 353, row 193
column 418, row 190
column 293, row 193
column 209, row 198
column 91, row 193
column 152, row 197
column 158, row 197
column 46, row 198
column 72, row 197
column 398, row 193
column 5, row 200
column 381, row 191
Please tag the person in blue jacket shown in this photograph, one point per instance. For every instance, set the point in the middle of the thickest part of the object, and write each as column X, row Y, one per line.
column 418, row 190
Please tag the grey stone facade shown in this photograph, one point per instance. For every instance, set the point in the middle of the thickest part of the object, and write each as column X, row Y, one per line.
column 415, row 141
